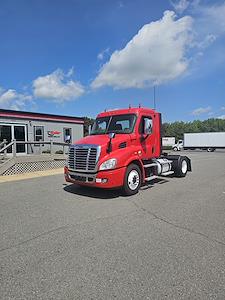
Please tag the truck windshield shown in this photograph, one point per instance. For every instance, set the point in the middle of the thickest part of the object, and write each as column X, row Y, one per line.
column 117, row 124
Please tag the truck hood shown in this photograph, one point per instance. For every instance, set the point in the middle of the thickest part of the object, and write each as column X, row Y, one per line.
column 103, row 140
column 93, row 140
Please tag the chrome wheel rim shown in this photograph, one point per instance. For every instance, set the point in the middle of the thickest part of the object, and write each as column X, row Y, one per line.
column 133, row 180
column 184, row 166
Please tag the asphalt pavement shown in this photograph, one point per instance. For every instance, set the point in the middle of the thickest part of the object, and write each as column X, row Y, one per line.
column 60, row 241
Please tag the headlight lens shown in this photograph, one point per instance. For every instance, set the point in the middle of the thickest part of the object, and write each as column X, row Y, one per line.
column 108, row 164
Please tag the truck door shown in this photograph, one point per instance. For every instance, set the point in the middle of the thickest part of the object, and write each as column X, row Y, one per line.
column 147, row 137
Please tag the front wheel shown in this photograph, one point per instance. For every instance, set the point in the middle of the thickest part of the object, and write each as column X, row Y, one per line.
column 210, row 149
column 132, row 180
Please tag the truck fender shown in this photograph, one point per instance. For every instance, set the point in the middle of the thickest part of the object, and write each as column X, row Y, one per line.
column 137, row 161
column 189, row 163
column 176, row 159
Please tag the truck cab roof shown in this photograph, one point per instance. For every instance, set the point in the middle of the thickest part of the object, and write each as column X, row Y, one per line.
column 133, row 110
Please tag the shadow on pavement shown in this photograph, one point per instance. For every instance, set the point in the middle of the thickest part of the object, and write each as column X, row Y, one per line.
column 151, row 184
column 98, row 193
column 92, row 192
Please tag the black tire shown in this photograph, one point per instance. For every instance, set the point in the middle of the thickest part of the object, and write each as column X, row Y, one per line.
column 175, row 149
column 132, row 180
column 210, row 149
column 181, row 167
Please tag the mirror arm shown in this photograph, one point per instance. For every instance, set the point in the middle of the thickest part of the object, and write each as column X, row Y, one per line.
column 109, row 147
column 144, row 137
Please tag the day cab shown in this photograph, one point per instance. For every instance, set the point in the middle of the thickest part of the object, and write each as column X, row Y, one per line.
column 123, row 150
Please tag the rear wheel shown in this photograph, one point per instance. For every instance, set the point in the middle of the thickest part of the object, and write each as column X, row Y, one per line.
column 175, row 148
column 210, row 149
column 132, row 180
column 182, row 167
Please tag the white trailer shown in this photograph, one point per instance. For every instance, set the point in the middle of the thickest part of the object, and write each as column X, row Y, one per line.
column 168, row 141
column 205, row 140
column 209, row 141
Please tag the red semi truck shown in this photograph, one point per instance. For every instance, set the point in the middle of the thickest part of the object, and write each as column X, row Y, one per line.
column 123, row 150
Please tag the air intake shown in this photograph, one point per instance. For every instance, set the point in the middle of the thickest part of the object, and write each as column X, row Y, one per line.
column 122, row 145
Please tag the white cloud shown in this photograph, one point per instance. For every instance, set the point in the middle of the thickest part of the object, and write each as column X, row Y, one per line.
column 206, row 41
column 57, row 86
column 221, row 117
column 180, row 6
column 121, row 4
column 222, row 108
column 209, row 23
column 156, row 54
column 70, row 72
column 164, row 50
column 214, row 16
column 103, row 53
column 201, row 110
column 13, row 100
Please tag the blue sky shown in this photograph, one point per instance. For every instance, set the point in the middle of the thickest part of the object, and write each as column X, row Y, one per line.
column 79, row 57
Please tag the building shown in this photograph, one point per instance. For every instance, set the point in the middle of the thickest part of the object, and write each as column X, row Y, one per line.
column 36, row 127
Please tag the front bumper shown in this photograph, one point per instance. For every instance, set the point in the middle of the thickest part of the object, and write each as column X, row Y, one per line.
column 103, row 179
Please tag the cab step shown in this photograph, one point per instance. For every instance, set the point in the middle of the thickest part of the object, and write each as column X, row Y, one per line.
column 151, row 178
column 167, row 173
column 150, row 165
column 157, row 176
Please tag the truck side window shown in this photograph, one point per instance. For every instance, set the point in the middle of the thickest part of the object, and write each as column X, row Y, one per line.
column 146, row 125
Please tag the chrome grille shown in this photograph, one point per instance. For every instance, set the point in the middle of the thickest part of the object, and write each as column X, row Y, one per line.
column 83, row 157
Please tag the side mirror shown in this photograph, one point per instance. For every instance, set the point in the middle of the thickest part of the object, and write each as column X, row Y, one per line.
column 112, row 135
column 147, row 126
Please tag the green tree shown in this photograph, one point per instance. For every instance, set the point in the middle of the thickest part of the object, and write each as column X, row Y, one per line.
column 177, row 129
column 87, row 123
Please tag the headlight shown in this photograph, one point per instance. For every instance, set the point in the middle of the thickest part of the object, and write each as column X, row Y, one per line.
column 108, row 164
